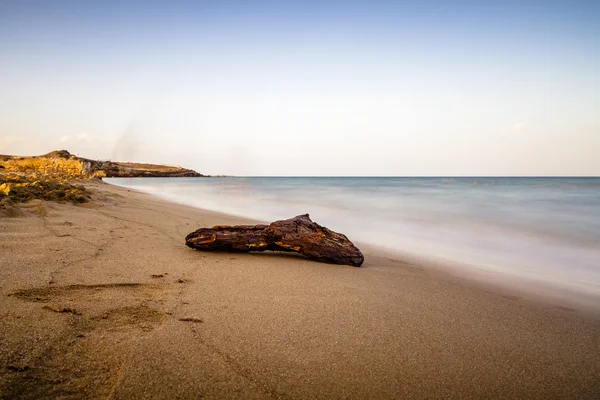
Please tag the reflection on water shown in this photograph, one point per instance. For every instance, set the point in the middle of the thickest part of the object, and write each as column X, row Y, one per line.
column 546, row 228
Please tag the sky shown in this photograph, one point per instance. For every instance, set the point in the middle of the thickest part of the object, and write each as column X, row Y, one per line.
column 323, row 88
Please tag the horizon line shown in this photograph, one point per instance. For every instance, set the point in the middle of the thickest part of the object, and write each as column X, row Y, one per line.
column 388, row 176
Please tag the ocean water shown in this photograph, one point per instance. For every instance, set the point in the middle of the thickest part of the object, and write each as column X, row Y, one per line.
column 543, row 229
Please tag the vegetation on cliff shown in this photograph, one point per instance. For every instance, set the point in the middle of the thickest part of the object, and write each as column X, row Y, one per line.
column 63, row 163
column 54, row 177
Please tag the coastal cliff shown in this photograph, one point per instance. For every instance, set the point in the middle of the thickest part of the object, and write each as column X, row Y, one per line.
column 53, row 177
column 61, row 162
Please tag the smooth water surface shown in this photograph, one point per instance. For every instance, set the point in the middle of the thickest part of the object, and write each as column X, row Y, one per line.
column 547, row 229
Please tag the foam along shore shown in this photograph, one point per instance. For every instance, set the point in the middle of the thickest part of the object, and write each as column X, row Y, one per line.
column 104, row 299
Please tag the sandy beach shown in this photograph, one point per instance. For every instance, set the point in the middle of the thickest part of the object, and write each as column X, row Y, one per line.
column 104, row 300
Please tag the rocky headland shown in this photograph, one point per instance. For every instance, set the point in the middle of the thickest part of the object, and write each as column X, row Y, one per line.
column 63, row 163
column 56, row 176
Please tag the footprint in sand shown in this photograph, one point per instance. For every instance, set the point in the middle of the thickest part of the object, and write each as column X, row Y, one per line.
column 101, row 323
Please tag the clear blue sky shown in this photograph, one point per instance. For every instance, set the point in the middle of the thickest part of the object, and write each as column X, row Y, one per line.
column 307, row 87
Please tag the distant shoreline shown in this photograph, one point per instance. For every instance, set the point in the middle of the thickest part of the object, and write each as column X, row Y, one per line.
column 64, row 164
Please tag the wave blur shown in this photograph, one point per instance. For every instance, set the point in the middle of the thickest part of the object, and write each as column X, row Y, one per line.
column 546, row 229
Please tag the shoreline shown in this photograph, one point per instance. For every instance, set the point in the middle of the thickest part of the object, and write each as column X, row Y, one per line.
column 503, row 281
column 104, row 299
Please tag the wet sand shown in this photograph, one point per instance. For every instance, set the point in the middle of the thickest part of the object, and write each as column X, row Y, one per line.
column 104, row 300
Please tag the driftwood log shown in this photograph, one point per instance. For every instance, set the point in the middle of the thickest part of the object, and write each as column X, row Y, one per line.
column 298, row 234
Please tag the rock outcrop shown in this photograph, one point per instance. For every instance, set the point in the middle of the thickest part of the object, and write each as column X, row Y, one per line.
column 46, row 165
column 63, row 163
column 51, row 177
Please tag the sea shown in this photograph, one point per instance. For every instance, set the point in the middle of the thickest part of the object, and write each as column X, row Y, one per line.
column 540, row 229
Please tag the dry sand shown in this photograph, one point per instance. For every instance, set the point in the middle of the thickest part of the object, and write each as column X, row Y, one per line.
column 105, row 301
